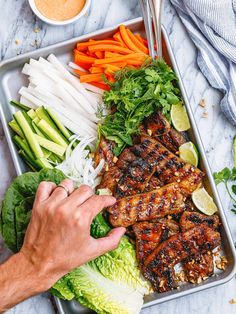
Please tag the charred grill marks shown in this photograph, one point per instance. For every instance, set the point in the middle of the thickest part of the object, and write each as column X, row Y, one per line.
column 189, row 220
column 176, row 249
column 151, row 205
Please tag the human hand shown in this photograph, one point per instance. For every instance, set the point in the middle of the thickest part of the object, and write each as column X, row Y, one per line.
column 58, row 236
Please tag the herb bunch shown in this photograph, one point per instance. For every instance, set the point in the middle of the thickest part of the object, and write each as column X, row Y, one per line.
column 228, row 178
column 136, row 94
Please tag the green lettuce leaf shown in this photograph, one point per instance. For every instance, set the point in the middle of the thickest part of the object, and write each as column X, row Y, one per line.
column 110, row 283
column 17, row 204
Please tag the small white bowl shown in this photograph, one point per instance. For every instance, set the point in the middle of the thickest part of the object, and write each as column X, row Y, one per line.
column 59, row 23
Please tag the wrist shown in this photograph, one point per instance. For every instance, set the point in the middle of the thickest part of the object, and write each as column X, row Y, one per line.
column 37, row 276
column 41, row 273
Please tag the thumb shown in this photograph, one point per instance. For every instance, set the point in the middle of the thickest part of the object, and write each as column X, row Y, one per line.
column 110, row 242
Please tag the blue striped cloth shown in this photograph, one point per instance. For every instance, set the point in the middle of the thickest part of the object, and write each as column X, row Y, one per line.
column 211, row 25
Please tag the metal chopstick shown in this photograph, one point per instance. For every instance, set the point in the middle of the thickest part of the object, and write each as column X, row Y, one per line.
column 156, row 6
column 151, row 10
column 146, row 11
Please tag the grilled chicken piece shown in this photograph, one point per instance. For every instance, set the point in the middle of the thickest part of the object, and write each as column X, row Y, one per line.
column 135, row 178
column 170, row 168
column 150, row 234
column 190, row 220
column 137, row 164
column 156, row 125
column 159, row 127
column 110, row 179
column 112, row 176
column 171, row 225
column 199, row 268
column 172, row 140
column 159, row 265
column 147, row 206
column 105, row 152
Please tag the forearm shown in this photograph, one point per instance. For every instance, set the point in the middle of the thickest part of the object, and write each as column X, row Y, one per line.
column 19, row 280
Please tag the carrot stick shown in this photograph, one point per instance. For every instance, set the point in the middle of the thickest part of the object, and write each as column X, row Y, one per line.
column 79, row 52
column 109, row 54
column 141, row 39
column 85, row 45
column 122, row 58
column 99, row 54
column 113, row 68
column 115, row 48
column 116, row 64
column 79, row 72
column 96, row 70
column 85, row 59
column 85, row 66
column 137, row 43
column 91, row 78
column 100, row 85
column 118, row 38
column 91, row 54
column 127, row 40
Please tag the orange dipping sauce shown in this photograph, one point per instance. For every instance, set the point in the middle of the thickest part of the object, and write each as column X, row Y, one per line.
column 59, row 10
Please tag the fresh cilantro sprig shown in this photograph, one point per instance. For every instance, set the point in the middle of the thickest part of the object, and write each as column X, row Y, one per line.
column 136, row 94
column 228, row 178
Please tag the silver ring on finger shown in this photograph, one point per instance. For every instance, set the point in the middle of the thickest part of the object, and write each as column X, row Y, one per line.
column 65, row 188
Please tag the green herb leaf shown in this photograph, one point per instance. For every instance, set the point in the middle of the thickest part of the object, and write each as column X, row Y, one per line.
column 233, row 189
column 136, row 94
column 222, row 176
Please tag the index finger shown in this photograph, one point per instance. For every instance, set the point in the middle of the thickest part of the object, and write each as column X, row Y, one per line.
column 95, row 204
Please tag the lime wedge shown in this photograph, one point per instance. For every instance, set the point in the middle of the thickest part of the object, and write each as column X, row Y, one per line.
column 204, row 202
column 188, row 152
column 179, row 117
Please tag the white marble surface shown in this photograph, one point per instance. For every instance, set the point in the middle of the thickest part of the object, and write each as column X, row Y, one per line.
column 18, row 23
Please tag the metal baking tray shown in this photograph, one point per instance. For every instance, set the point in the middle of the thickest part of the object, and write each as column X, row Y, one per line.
column 11, row 80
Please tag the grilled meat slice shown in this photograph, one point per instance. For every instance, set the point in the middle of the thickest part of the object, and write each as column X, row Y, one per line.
column 172, row 140
column 171, row 225
column 105, row 152
column 150, row 234
column 199, row 268
column 189, row 220
column 156, row 124
column 158, row 266
column 135, row 178
column 147, row 206
column 159, row 127
column 137, row 164
column 137, row 170
column 169, row 168
column 126, row 158
column 114, row 174
column 110, row 179
column 202, row 266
